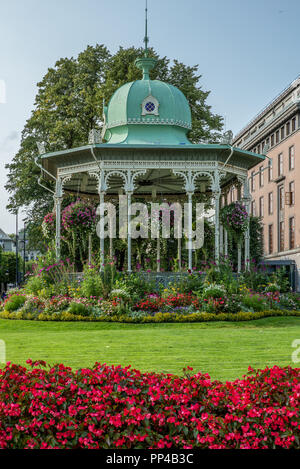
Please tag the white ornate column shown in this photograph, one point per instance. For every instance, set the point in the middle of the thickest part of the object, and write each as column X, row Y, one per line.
column 216, row 190
column 58, row 201
column 226, row 243
column 102, row 188
column 221, row 239
column 179, row 254
column 129, row 194
column 102, row 240
column 190, row 228
column 158, row 254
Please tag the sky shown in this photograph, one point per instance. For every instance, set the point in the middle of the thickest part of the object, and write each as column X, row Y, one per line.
column 246, row 51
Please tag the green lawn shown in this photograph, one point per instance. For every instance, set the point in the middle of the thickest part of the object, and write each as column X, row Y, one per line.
column 222, row 349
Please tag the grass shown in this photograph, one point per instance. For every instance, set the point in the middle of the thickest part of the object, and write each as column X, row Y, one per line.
column 222, row 349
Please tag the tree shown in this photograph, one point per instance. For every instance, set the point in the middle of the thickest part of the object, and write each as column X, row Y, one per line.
column 8, row 267
column 69, row 103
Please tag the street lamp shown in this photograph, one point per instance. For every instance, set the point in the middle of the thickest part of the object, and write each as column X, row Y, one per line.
column 17, row 250
column 24, row 250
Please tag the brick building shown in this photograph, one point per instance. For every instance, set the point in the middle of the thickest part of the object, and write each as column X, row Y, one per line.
column 275, row 183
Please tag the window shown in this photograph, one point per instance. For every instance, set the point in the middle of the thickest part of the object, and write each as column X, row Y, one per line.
column 281, row 236
column 277, row 136
column 293, row 124
column 270, row 203
column 281, row 197
column 261, row 176
column 292, row 193
column 253, row 208
column 270, row 170
column 261, row 206
column 252, row 181
column 272, row 140
column 291, row 157
column 270, row 241
column 292, row 232
column 150, row 106
column 280, row 164
column 287, row 128
column 282, row 133
column 258, row 149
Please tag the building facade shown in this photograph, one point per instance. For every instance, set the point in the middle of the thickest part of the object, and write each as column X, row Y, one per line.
column 275, row 183
column 6, row 243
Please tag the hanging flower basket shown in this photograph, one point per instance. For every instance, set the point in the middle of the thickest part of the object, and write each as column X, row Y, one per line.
column 79, row 216
column 48, row 225
column 235, row 219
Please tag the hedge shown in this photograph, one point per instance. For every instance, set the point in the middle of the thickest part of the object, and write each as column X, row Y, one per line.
column 157, row 318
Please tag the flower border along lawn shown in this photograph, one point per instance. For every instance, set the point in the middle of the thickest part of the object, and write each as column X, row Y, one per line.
column 225, row 350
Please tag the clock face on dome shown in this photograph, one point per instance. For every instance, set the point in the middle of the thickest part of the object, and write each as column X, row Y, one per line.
column 150, row 106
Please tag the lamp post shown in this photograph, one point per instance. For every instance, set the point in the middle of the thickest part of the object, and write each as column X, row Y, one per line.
column 24, row 251
column 17, row 250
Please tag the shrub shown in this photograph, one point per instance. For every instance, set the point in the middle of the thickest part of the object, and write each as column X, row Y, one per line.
column 136, row 285
column 59, row 408
column 91, row 284
column 14, row 302
column 78, row 309
column 35, row 284
column 121, row 294
column 214, row 291
column 272, row 288
column 254, row 302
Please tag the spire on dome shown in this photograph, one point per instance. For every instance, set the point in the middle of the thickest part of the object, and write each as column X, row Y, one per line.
column 146, row 38
column 146, row 63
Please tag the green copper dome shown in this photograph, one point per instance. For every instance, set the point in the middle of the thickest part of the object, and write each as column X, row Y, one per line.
column 147, row 112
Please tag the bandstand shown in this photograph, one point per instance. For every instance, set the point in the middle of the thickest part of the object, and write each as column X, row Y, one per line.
column 143, row 150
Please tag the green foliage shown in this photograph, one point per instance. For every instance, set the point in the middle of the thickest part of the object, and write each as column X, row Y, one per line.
column 213, row 291
column 281, row 279
column 35, row 284
column 235, row 218
column 99, row 284
column 256, row 237
column 8, row 267
column 255, row 279
column 256, row 243
column 139, row 317
column 191, row 283
column 254, row 302
column 92, row 283
column 14, row 303
column 272, row 288
column 120, row 293
column 78, row 309
column 136, row 285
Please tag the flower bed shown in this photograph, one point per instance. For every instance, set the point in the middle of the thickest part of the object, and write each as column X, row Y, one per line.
column 114, row 407
column 52, row 294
